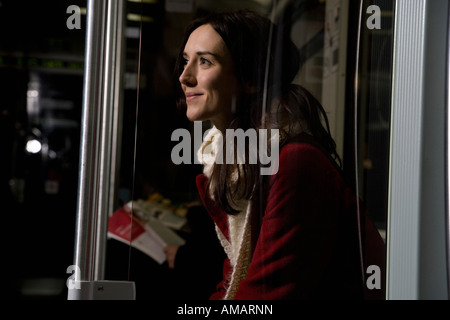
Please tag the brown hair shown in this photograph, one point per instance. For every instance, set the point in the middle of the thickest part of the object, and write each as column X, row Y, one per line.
column 266, row 60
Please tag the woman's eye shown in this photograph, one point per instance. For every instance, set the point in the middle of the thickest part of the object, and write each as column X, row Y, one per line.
column 204, row 61
column 185, row 62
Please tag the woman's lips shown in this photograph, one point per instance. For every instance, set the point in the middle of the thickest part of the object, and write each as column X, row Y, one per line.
column 191, row 96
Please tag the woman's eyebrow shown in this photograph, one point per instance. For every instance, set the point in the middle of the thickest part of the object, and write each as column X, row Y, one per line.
column 201, row 53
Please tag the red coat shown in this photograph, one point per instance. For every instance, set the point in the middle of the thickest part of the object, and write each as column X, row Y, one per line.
column 307, row 243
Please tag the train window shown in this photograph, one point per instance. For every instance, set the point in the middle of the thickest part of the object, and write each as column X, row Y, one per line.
column 346, row 64
column 41, row 78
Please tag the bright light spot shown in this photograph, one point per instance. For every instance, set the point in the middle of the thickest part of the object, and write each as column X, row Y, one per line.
column 52, row 154
column 32, row 93
column 33, row 146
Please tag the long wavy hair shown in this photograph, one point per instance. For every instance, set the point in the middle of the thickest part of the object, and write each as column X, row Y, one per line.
column 266, row 62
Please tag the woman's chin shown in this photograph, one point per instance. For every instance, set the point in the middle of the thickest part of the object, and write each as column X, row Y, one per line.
column 193, row 117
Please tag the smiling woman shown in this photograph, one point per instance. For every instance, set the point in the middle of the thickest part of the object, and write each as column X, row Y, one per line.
column 208, row 78
column 294, row 234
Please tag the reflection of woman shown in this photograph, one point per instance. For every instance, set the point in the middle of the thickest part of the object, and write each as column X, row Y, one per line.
column 293, row 234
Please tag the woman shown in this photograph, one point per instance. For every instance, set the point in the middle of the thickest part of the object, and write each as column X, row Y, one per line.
column 293, row 234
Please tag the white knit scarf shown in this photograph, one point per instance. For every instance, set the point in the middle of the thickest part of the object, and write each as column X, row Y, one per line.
column 238, row 249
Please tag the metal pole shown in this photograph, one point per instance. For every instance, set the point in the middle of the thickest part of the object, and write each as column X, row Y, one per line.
column 100, row 136
column 111, row 129
column 88, row 188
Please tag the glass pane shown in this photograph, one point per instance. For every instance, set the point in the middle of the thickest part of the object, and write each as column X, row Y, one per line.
column 41, row 76
column 41, row 73
column 326, row 34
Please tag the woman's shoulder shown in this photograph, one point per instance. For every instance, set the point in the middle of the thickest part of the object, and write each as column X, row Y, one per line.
column 303, row 160
column 303, row 150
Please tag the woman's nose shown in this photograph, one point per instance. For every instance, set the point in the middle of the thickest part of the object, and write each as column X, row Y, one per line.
column 187, row 77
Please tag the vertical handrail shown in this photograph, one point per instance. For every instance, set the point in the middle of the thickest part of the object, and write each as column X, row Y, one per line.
column 111, row 128
column 99, row 134
column 90, row 142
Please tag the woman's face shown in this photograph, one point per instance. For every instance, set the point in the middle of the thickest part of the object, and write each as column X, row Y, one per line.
column 208, row 80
